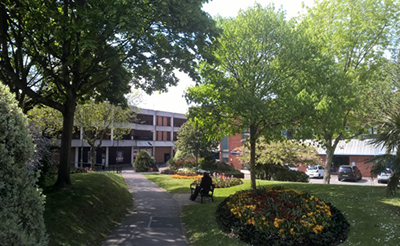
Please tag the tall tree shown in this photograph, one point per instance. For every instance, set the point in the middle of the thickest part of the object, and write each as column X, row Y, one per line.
column 194, row 142
column 247, row 86
column 351, row 37
column 59, row 53
column 99, row 120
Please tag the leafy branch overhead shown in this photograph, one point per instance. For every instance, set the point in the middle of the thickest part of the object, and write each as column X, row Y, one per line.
column 61, row 53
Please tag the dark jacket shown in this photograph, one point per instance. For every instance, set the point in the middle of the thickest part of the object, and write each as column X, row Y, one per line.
column 205, row 184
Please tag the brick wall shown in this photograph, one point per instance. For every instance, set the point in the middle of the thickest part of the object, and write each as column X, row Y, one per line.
column 160, row 152
column 235, row 142
column 362, row 164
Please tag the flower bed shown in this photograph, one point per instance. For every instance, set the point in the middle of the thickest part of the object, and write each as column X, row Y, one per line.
column 281, row 217
column 222, row 181
column 177, row 176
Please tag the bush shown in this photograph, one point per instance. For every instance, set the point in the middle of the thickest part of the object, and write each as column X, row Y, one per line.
column 217, row 167
column 144, row 163
column 21, row 202
column 274, row 216
column 168, row 171
column 279, row 173
column 176, row 164
column 223, row 181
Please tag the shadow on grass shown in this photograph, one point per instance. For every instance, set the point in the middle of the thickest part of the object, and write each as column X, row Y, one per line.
column 85, row 213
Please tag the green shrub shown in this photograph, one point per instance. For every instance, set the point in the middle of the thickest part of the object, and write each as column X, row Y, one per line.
column 21, row 202
column 275, row 216
column 206, row 164
column 279, row 173
column 168, row 171
column 176, row 164
column 144, row 163
column 217, row 167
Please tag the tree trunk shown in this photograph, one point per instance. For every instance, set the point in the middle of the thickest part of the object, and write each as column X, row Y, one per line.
column 330, row 151
column 93, row 157
column 253, row 139
column 328, row 164
column 65, row 150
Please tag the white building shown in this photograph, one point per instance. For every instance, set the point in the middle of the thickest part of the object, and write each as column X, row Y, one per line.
column 153, row 131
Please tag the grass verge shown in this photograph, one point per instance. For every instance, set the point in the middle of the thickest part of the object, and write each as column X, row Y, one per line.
column 374, row 219
column 86, row 212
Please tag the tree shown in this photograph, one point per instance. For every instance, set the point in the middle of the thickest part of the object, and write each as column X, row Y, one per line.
column 98, row 120
column 285, row 152
column 144, row 162
column 248, row 86
column 59, row 53
column 388, row 137
column 194, row 142
column 351, row 37
column 22, row 205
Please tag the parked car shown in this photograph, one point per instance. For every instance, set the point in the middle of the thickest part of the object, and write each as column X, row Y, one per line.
column 347, row 172
column 385, row 175
column 315, row 171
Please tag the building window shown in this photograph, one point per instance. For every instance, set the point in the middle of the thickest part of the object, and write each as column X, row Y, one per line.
column 179, row 122
column 225, row 144
column 142, row 135
column 163, row 136
column 163, row 121
column 143, row 119
column 175, row 136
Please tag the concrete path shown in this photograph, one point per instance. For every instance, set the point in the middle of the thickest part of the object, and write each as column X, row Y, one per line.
column 156, row 219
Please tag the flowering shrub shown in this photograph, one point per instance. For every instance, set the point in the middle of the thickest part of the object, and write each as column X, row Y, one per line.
column 222, row 181
column 177, row 176
column 282, row 217
column 187, row 173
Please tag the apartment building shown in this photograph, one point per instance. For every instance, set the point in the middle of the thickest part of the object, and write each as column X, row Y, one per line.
column 152, row 131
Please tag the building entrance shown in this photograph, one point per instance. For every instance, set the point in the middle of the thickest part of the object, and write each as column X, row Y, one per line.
column 339, row 160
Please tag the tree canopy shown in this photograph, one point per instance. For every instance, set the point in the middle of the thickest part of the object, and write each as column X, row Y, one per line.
column 248, row 86
column 194, row 142
column 351, row 38
column 99, row 120
column 285, row 152
column 59, row 53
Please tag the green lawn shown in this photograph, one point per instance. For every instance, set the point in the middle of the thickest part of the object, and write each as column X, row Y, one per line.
column 85, row 213
column 374, row 219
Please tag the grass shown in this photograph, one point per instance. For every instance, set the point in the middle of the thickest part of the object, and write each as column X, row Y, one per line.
column 86, row 212
column 374, row 218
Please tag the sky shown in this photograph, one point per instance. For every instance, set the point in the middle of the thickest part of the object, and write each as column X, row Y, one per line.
column 173, row 100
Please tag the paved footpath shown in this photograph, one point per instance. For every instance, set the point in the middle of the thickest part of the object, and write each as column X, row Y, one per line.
column 156, row 219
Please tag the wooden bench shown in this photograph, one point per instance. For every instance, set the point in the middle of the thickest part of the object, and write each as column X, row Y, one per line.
column 204, row 196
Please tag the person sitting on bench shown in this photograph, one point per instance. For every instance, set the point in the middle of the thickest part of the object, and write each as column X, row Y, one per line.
column 203, row 187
